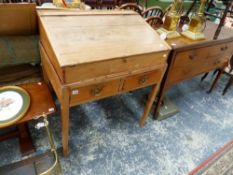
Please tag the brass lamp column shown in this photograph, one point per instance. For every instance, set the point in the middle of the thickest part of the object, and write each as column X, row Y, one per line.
column 171, row 20
column 196, row 24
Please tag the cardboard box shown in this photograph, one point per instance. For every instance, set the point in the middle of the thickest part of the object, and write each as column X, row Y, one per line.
column 18, row 19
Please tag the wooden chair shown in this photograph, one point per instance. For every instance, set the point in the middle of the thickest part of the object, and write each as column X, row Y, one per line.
column 38, row 2
column 121, row 2
column 109, row 4
column 17, row 1
column 155, row 22
column 132, row 6
column 153, row 11
column 94, row 4
column 223, row 11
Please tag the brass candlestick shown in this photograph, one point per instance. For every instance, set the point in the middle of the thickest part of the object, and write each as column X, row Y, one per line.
column 171, row 20
column 196, row 24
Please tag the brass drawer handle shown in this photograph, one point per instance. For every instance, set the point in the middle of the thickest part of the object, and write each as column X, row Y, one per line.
column 97, row 90
column 143, row 80
column 191, row 57
column 224, row 48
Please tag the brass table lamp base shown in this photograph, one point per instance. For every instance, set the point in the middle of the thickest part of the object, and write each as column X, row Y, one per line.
column 169, row 34
column 193, row 36
column 168, row 109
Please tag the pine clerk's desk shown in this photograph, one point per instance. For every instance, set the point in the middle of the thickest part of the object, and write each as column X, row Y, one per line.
column 190, row 58
column 89, row 55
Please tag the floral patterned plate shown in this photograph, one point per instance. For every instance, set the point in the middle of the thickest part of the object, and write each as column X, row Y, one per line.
column 14, row 103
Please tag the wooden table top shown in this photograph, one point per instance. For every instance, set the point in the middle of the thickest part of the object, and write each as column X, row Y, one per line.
column 181, row 42
column 79, row 37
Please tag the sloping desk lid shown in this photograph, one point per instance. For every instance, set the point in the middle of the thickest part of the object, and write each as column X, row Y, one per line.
column 79, row 37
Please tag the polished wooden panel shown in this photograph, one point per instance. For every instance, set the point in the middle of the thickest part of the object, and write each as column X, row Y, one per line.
column 192, row 62
column 190, row 58
column 41, row 101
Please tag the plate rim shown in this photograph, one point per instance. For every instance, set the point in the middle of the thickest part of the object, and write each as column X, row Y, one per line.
column 26, row 103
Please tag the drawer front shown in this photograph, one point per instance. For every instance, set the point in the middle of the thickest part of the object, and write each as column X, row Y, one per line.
column 92, row 92
column 204, row 56
column 221, row 50
column 143, row 80
column 194, row 62
column 188, row 71
column 190, row 57
column 112, row 67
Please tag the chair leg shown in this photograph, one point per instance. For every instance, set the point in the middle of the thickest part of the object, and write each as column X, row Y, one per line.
column 204, row 76
column 215, row 71
column 215, row 81
column 228, row 85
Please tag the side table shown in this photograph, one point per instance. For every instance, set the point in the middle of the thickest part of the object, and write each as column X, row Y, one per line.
column 41, row 103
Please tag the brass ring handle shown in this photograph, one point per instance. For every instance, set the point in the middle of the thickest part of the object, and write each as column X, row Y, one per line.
column 143, row 80
column 224, row 48
column 96, row 91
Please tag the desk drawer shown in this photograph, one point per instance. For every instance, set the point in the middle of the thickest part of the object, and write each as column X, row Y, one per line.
column 204, row 56
column 95, row 91
column 197, row 61
column 188, row 71
column 143, row 79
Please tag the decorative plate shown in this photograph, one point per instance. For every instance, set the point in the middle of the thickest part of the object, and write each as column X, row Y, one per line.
column 14, row 103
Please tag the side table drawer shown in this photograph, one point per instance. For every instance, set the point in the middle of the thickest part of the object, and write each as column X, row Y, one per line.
column 95, row 91
column 143, row 79
column 186, row 72
column 204, row 56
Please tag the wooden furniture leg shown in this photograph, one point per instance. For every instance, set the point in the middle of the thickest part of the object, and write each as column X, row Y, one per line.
column 220, row 72
column 204, row 76
column 26, row 145
column 65, row 121
column 228, row 85
column 215, row 81
column 149, row 104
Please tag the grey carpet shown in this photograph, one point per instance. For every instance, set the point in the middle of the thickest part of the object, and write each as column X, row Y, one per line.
column 105, row 138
